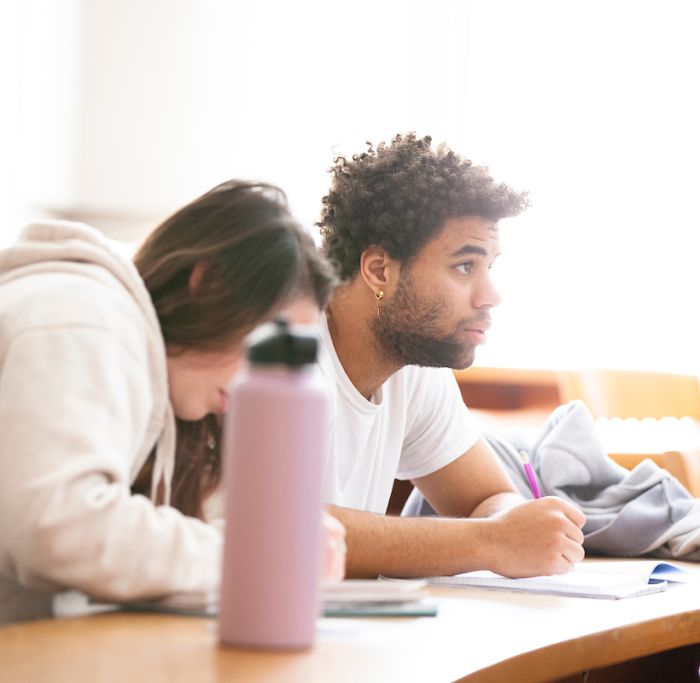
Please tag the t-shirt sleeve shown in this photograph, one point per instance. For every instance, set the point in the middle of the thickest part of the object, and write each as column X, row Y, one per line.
column 440, row 427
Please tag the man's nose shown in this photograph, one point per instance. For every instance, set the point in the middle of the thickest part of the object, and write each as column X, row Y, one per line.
column 487, row 295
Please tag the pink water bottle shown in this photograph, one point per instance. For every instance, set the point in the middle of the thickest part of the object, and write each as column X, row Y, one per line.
column 274, row 451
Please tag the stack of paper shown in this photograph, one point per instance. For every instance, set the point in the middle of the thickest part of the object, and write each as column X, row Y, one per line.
column 348, row 598
column 358, row 597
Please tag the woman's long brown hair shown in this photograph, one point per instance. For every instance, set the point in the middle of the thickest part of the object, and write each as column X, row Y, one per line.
column 255, row 256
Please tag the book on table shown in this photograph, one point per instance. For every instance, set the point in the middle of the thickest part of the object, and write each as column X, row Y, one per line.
column 608, row 579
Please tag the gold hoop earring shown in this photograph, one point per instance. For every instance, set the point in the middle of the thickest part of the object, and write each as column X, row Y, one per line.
column 379, row 295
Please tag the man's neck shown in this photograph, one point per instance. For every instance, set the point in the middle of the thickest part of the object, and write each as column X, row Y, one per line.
column 364, row 363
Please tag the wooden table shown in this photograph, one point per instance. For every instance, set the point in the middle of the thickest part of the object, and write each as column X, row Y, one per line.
column 477, row 636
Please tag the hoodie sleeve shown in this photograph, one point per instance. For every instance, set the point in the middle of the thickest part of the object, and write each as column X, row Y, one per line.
column 74, row 408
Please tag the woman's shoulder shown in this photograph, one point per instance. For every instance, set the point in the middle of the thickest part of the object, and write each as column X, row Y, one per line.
column 89, row 297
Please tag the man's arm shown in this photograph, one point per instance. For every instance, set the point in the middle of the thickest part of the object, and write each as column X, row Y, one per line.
column 486, row 525
column 473, row 485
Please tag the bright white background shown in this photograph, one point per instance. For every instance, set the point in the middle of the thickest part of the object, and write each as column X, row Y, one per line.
column 117, row 112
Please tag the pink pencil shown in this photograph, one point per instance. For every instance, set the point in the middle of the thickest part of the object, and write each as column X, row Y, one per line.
column 530, row 474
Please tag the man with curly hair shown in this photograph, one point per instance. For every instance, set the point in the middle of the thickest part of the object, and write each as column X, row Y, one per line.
column 413, row 232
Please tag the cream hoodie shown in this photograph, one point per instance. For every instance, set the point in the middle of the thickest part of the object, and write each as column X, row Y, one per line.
column 83, row 401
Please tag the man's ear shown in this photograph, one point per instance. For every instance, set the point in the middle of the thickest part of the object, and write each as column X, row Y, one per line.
column 378, row 270
column 196, row 276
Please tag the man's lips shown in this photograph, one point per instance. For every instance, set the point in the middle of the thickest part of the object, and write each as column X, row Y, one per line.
column 476, row 336
column 478, row 326
column 476, row 332
column 481, row 327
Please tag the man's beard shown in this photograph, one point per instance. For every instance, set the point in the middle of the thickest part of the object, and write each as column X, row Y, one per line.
column 408, row 332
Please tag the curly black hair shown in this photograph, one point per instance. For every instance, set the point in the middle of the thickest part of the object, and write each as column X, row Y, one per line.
column 399, row 196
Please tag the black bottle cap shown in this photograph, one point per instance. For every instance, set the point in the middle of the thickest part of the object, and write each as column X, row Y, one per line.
column 277, row 343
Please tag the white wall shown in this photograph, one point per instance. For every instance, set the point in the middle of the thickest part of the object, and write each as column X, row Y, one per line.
column 169, row 97
column 593, row 106
column 39, row 77
column 121, row 111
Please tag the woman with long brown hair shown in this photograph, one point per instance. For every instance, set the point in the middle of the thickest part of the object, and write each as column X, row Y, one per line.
column 113, row 377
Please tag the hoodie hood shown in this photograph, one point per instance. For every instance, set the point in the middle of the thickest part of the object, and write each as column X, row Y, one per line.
column 64, row 246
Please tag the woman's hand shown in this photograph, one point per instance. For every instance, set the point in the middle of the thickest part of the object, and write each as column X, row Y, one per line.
column 333, row 568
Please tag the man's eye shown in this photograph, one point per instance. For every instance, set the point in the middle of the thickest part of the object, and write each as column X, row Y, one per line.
column 465, row 267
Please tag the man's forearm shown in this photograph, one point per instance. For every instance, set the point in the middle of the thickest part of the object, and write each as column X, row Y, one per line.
column 411, row 546
column 497, row 505
column 536, row 537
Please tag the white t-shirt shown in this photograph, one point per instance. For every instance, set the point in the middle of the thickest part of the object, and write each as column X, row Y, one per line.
column 415, row 424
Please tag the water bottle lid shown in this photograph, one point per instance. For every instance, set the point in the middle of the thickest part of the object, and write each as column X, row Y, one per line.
column 277, row 343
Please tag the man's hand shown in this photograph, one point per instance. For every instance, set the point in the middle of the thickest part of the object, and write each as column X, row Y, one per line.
column 535, row 538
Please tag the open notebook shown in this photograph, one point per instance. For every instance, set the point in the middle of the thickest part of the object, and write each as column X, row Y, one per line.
column 599, row 579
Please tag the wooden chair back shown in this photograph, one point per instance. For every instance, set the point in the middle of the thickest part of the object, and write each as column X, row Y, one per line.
column 631, row 393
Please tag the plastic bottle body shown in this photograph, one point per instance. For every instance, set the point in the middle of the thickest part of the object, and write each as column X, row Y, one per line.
column 274, row 451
